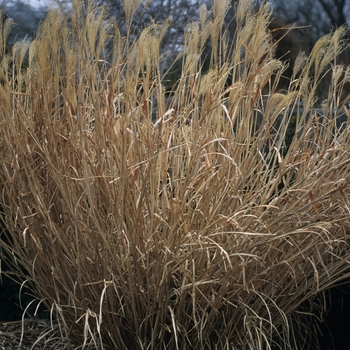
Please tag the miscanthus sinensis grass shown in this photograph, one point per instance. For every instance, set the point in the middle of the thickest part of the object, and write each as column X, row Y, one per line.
column 153, row 219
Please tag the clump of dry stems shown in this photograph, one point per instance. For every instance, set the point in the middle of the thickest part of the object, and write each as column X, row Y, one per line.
column 149, row 219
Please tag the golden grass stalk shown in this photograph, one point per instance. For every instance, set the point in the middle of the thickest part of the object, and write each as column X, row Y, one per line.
column 149, row 219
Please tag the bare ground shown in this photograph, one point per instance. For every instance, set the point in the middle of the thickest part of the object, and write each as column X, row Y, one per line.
column 32, row 333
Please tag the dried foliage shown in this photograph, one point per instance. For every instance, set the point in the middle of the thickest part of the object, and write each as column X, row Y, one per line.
column 149, row 219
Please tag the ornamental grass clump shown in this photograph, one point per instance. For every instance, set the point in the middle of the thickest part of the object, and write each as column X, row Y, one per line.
column 153, row 219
